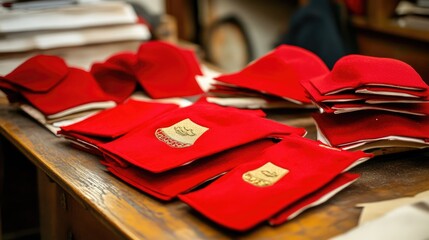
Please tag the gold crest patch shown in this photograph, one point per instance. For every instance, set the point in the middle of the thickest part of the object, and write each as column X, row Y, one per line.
column 265, row 176
column 182, row 134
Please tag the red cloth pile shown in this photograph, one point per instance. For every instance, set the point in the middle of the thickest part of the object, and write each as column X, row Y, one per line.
column 50, row 91
column 55, row 89
column 113, row 123
column 275, row 77
column 276, row 184
column 371, row 103
column 161, row 69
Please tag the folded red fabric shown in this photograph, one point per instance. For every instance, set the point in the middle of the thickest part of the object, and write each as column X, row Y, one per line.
column 285, row 173
column 256, row 112
column 165, row 70
column 114, row 122
column 125, row 61
column 342, row 129
column 90, row 143
column 418, row 109
column 316, row 97
column 392, row 91
column 77, row 88
column 279, row 73
column 116, row 75
column 191, row 133
column 39, row 73
column 169, row 184
column 371, row 95
column 354, row 71
column 316, row 198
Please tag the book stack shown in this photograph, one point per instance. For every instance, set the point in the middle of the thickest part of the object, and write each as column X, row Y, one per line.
column 413, row 15
column 273, row 81
column 47, row 24
column 371, row 103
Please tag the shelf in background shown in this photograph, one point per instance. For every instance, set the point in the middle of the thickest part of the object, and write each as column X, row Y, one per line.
column 390, row 26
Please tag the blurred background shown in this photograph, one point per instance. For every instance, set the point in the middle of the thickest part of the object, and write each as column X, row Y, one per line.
column 232, row 33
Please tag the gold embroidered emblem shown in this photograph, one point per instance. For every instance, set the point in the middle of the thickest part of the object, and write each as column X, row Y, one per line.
column 182, row 134
column 265, row 176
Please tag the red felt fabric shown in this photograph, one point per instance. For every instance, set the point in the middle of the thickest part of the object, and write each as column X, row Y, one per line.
column 315, row 95
column 289, row 212
column 124, row 61
column 351, row 96
column 227, row 128
column 165, row 70
column 392, row 91
column 353, row 71
column 239, row 205
column 256, row 112
column 114, row 122
column 419, row 109
column 115, row 76
column 39, row 73
column 169, row 184
column 77, row 88
column 88, row 141
column 345, row 128
column 279, row 73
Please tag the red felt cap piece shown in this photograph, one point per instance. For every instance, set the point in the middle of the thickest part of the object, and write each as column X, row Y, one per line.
column 116, row 77
column 77, row 88
column 315, row 95
column 165, row 70
column 114, row 122
column 353, row 71
column 280, row 72
column 125, row 61
column 39, row 73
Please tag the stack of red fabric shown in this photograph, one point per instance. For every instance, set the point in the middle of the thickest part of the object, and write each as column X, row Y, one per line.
column 197, row 143
column 54, row 89
column 204, row 141
column 370, row 103
column 57, row 95
column 161, row 69
column 112, row 123
column 273, row 80
column 276, row 185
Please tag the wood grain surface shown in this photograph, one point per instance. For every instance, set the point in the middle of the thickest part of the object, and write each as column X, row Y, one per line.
column 131, row 214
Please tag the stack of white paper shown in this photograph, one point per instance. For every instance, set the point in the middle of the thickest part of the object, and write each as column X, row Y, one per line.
column 75, row 24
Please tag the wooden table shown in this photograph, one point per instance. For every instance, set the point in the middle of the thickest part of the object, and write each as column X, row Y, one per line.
column 80, row 200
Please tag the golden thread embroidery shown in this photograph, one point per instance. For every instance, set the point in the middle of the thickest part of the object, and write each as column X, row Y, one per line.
column 248, row 177
column 180, row 135
column 265, row 176
column 269, row 174
column 170, row 142
column 183, row 131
